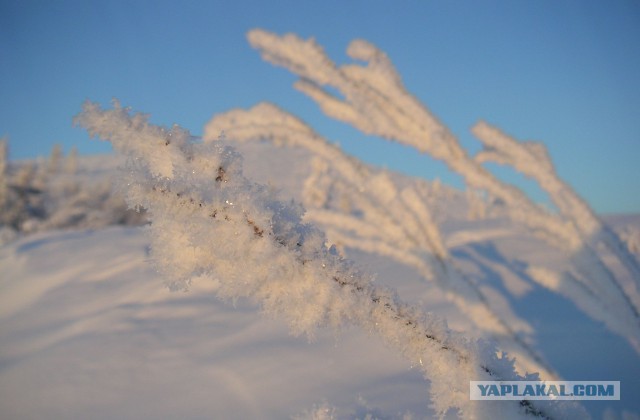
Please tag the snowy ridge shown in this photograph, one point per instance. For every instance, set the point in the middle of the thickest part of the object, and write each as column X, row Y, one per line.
column 101, row 338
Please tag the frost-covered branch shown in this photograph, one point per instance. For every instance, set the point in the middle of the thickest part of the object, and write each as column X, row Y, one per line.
column 374, row 100
column 532, row 159
column 207, row 217
column 367, row 211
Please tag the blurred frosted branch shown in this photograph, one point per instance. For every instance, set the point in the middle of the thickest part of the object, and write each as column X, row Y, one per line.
column 532, row 160
column 366, row 211
column 374, row 100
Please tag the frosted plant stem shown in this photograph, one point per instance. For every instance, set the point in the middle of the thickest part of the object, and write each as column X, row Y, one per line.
column 206, row 217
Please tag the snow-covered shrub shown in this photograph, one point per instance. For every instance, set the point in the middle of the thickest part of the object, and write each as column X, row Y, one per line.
column 42, row 195
column 20, row 194
column 4, row 185
column 8, row 214
column 206, row 218
column 374, row 100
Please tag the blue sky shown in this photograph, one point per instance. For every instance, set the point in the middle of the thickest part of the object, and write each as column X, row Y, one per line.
column 562, row 72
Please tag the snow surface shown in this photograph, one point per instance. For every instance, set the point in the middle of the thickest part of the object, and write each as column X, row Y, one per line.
column 90, row 332
column 88, row 329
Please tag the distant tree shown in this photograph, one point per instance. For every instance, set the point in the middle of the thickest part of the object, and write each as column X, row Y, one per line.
column 8, row 215
column 55, row 159
column 71, row 161
column 4, row 187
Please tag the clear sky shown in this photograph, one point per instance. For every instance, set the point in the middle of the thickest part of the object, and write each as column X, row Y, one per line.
column 563, row 72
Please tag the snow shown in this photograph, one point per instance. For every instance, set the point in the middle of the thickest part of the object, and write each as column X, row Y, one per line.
column 100, row 337
column 89, row 330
